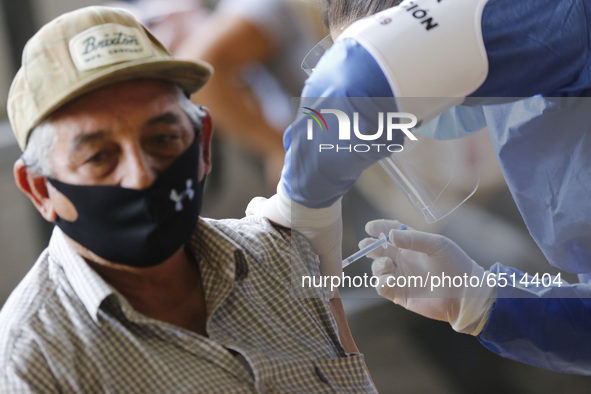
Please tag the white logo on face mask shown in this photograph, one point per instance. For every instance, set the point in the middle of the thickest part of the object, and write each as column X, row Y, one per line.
column 178, row 198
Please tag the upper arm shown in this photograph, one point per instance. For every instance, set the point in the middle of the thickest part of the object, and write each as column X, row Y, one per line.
column 345, row 335
column 24, row 369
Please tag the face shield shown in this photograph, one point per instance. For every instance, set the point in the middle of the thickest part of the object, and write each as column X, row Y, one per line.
column 435, row 175
column 314, row 55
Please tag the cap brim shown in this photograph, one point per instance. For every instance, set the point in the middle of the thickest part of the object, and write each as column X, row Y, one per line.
column 188, row 75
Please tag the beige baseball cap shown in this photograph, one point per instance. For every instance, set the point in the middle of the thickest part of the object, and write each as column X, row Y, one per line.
column 84, row 50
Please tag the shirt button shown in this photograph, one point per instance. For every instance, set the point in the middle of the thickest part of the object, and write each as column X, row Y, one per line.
column 320, row 375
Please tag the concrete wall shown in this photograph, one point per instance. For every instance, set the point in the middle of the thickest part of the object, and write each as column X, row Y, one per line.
column 46, row 10
column 6, row 71
column 21, row 229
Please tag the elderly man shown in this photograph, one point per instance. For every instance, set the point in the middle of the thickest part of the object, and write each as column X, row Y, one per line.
column 135, row 293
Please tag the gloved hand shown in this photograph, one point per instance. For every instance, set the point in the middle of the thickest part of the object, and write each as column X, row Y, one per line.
column 322, row 227
column 434, row 257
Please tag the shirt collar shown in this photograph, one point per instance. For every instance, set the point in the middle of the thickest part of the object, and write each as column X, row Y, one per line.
column 86, row 283
column 222, row 263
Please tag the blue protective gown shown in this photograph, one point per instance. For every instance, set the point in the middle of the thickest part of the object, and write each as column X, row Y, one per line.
column 539, row 49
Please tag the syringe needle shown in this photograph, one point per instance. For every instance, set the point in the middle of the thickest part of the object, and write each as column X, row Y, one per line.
column 357, row 255
column 382, row 241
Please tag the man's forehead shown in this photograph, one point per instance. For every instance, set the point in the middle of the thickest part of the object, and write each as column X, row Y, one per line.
column 131, row 103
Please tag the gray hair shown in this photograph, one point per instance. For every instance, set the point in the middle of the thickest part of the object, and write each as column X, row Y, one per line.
column 37, row 153
column 39, row 147
column 341, row 13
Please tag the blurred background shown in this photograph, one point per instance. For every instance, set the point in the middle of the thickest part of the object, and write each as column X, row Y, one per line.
column 256, row 47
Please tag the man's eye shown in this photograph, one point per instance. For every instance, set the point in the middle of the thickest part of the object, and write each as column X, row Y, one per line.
column 98, row 158
column 165, row 145
column 165, row 139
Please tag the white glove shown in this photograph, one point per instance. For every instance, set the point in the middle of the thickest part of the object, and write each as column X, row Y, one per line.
column 322, row 227
column 464, row 305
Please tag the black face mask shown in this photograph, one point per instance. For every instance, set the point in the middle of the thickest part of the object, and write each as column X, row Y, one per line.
column 139, row 228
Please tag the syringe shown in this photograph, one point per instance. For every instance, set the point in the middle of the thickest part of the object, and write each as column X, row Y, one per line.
column 382, row 241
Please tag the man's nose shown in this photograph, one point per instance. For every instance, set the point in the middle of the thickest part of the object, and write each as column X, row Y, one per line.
column 139, row 172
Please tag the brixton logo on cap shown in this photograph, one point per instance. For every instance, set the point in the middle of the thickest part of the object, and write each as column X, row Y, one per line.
column 107, row 44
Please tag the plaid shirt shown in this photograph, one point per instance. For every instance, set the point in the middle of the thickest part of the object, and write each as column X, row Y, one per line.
column 66, row 330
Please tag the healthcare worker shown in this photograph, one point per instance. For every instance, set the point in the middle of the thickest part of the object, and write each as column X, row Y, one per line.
column 451, row 49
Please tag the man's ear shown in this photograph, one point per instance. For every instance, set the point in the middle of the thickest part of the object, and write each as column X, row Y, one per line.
column 205, row 141
column 35, row 187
